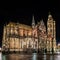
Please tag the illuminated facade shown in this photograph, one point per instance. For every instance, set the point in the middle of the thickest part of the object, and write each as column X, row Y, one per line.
column 20, row 37
column 42, row 36
column 58, row 47
column 51, row 34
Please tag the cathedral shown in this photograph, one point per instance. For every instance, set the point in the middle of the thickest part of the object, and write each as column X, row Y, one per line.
column 20, row 37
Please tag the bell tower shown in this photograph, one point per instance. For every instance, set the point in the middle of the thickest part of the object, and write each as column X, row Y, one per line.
column 51, row 35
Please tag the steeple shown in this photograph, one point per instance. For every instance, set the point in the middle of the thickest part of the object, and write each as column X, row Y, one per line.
column 42, row 22
column 49, row 15
column 33, row 22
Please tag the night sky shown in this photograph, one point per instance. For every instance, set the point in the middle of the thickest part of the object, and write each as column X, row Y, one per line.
column 22, row 12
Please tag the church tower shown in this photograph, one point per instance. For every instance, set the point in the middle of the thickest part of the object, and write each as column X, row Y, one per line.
column 33, row 22
column 51, row 34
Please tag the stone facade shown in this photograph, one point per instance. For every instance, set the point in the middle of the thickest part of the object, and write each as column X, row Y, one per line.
column 20, row 37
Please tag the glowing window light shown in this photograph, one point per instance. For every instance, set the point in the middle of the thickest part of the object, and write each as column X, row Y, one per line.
column 25, row 32
column 29, row 33
column 21, row 32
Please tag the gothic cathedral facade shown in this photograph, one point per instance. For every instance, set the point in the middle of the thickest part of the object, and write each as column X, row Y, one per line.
column 21, row 37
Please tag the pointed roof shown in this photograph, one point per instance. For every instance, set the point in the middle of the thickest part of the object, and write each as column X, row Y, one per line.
column 33, row 21
column 42, row 25
column 42, row 22
column 23, row 26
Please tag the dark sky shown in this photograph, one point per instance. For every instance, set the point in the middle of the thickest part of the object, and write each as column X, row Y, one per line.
column 22, row 12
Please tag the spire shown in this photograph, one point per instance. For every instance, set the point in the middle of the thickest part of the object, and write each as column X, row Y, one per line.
column 49, row 15
column 42, row 22
column 33, row 22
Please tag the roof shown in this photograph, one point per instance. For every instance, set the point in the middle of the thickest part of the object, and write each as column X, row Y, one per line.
column 13, row 24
